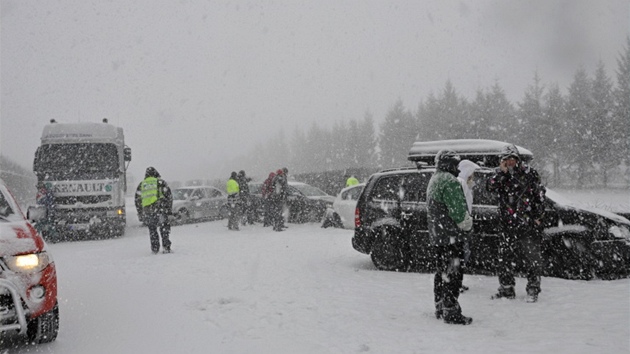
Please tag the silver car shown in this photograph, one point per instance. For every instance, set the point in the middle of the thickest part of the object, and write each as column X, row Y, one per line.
column 199, row 203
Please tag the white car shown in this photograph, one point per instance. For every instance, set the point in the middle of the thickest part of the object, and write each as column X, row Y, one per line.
column 199, row 202
column 345, row 204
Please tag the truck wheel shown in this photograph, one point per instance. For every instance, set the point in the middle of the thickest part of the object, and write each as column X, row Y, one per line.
column 44, row 329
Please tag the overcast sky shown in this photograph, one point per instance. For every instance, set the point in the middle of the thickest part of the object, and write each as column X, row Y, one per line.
column 195, row 82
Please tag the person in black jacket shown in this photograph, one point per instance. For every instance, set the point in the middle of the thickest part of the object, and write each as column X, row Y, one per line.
column 157, row 205
column 521, row 209
column 247, row 208
column 278, row 197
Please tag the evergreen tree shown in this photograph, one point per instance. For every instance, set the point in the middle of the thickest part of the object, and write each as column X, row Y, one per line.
column 479, row 115
column 579, row 121
column 397, row 135
column 366, row 143
column 603, row 153
column 554, row 112
column 428, row 120
column 338, row 147
column 531, row 121
column 621, row 109
column 501, row 115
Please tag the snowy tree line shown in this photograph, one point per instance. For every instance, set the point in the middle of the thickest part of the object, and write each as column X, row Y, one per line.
column 578, row 139
column 20, row 181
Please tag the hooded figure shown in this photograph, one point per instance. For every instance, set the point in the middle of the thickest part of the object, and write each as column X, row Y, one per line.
column 466, row 170
column 278, row 198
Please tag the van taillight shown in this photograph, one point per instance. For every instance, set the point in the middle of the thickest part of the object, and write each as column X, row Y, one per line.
column 357, row 218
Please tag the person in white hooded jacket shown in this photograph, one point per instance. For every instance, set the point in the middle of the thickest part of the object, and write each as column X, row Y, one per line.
column 465, row 177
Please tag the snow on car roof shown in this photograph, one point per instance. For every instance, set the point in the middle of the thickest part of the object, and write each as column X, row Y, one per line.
column 478, row 150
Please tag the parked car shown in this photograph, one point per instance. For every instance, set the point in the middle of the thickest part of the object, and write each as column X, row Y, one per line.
column 391, row 221
column 305, row 203
column 344, row 207
column 199, row 203
column 28, row 279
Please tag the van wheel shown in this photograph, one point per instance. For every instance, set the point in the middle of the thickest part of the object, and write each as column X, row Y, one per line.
column 44, row 329
column 387, row 253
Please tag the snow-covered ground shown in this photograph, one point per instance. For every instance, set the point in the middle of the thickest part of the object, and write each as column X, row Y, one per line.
column 305, row 290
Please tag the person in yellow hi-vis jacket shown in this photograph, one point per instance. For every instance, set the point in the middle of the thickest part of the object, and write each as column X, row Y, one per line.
column 233, row 191
column 157, row 205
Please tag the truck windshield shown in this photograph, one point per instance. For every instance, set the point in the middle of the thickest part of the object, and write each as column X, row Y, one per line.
column 64, row 160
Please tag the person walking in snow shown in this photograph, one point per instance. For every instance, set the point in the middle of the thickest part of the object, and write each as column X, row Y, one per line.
column 447, row 218
column 521, row 210
column 266, row 190
column 280, row 187
column 157, row 206
column 466, row 169
column 233, row 191
column 47, row 226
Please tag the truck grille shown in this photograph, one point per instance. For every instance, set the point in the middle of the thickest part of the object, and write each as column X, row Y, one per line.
column 85, row 199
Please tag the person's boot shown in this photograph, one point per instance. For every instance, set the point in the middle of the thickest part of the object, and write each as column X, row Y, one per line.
column 505, row 292
column 453, row 315
column 438, row 310
column 532, row 295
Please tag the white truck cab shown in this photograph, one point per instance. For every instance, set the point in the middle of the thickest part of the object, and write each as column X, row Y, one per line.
column 84, row 166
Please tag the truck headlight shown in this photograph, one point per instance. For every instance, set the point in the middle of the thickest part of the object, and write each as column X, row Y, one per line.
column 28, row 263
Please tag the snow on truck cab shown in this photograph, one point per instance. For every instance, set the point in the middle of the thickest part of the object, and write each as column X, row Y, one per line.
column 84, row 166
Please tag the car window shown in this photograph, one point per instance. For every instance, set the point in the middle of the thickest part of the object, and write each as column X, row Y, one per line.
column 5, row 208
column 197, row 193
column 414, row 187
column 481, row 196
column 180, row 194
column 214, row 193
column 309, row 190
column 387, row 188
column 206, row 192
column 354, row 193
column 293, row 191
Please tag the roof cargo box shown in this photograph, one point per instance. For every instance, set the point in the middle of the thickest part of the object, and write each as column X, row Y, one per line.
column 483, row 152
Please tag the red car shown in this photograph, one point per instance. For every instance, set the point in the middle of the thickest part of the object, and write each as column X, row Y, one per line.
column 28, row 279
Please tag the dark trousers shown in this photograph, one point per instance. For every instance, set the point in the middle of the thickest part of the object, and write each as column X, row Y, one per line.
column 234, row 215
column 448, row 276
column 519, row 249
column 155, row 221
column 268, row 207
column 277, row 205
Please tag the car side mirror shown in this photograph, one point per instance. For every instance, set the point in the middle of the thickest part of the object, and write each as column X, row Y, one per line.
column 36, row 213
column 127, row 153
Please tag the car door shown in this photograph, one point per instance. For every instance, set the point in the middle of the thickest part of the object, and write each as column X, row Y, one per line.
column 484, row 241
column 196, row 204
column 215, row 201
column 346, row 204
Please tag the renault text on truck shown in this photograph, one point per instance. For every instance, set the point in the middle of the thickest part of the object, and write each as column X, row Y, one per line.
column 84, row 165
